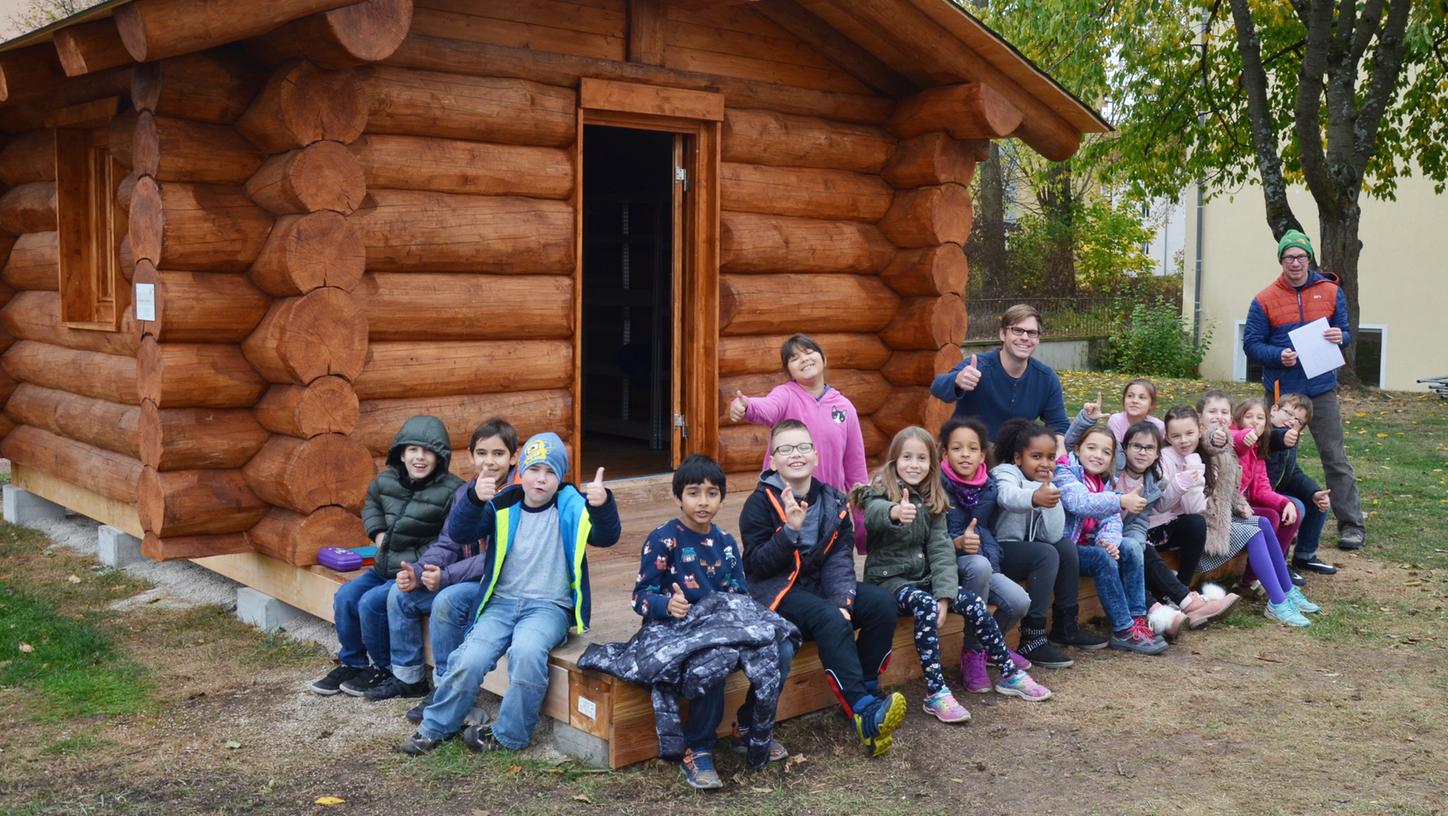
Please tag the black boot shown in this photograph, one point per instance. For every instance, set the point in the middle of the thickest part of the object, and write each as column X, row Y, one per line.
column 1037, row 649
column 1066, row 632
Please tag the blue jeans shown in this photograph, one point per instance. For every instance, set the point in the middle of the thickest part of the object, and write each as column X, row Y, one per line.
column 451, row 609
column 1120, row 584
column 527, row 631
column 702, row 725
column 453, row 613
column 359, row 609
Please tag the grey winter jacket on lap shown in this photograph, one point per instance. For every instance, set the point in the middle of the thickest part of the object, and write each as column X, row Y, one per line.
column 686, row 658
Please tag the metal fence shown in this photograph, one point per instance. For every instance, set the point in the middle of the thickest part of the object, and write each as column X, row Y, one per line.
column 1064, row 317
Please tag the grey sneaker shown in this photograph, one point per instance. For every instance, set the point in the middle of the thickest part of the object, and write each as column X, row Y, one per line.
column 1140, row 639
column 417, row 745
column 1351, row 538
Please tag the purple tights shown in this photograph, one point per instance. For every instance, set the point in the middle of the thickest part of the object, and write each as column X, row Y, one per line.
column 1264, row 553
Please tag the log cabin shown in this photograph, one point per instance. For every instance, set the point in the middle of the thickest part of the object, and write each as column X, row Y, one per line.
column 240, row 243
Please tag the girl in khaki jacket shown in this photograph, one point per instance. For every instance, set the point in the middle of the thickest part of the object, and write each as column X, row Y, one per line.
column 912, row 557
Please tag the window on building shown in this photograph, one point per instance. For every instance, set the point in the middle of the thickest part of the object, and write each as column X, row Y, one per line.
column 90, row 227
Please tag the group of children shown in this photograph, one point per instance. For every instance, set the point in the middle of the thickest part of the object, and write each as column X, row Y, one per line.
column 951, row 523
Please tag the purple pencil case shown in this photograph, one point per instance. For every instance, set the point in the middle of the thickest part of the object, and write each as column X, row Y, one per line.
column 339, row 559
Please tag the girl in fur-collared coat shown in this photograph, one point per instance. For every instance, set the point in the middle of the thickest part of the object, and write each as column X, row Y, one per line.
column 1231, row 526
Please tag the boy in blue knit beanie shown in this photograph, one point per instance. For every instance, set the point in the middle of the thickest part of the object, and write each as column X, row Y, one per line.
column 535, row 585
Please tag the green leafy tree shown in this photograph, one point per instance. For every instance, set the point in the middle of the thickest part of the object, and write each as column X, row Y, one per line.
column 1344, row 98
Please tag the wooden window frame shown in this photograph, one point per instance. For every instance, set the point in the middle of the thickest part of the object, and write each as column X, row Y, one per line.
column 89, row 223
column 697, row 116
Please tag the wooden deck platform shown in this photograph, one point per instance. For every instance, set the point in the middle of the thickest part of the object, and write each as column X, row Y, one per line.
column 608, row 722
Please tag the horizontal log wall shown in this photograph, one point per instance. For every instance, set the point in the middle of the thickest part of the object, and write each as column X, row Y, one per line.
column 345, row 238
column 233, row 405
column 803, row 196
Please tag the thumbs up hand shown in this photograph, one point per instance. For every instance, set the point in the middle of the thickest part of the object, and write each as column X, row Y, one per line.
column 969, row 541
column 485, row 488
column 1047, row 495
column 1093, row 409
column 678, row 604
column 904, row 512
column 1132, row 502
column 1290, row 438
column 1250, row 438
column 406, row 580
column 969, row 377
column 738, row 406
column 1322, row 499
column 597, row 495
column 432, row 577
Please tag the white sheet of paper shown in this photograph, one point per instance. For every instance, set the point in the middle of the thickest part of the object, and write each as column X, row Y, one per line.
column 1315, row 354
column 145, row 301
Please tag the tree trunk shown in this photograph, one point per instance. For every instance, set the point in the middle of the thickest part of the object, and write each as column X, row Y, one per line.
column 1059, row 206
column 986, row 248
column 1338, row 252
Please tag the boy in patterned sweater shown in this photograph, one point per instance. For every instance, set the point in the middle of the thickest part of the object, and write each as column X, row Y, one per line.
column 683, row 560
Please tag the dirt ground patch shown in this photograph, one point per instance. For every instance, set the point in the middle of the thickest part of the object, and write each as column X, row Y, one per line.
column 1245, row 716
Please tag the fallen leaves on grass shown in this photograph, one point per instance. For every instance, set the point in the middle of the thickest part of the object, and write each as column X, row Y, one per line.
column 329, row 801
column 26, row 648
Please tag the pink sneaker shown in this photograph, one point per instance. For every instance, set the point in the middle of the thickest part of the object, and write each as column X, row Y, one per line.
column 1021, row 685
column 945, row 707
column 972, row 671
column 1019, row 659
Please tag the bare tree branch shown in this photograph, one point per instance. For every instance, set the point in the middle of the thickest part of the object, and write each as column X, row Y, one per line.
column 1387, row 66
column 1264, row 137
column 1308, row 110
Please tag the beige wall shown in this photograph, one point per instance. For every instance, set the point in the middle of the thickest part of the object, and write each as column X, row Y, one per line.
column 1403, row 288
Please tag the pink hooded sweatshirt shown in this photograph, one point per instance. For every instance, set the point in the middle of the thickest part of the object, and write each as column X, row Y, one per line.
column 833, row 424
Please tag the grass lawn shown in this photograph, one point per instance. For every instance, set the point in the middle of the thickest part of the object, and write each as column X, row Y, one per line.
column 161, row 710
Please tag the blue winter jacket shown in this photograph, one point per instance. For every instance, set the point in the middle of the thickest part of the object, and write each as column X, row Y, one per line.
column 1276, row 311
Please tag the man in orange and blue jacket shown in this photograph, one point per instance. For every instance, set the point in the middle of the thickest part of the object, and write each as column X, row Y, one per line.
column 1300, row 295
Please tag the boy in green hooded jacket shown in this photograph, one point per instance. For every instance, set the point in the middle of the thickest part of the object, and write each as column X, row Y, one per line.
column 403, row 513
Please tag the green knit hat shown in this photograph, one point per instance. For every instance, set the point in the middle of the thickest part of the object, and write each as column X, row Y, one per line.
column 1293, row 238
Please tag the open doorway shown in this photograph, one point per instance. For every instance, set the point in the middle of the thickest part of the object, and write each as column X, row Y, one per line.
column 628, row 301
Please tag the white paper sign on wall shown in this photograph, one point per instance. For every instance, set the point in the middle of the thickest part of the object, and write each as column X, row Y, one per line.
column 145, row 301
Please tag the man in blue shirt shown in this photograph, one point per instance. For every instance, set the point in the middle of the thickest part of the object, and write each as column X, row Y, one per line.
column 1006, row 383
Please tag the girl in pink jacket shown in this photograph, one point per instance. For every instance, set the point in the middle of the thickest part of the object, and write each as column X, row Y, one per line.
column 1250, row 440
column 829, row 415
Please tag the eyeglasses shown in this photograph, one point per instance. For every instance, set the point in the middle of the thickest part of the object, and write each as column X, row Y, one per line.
column 1294, row 259
column 1017, row 331
column 1142, row 448
column 786, row 450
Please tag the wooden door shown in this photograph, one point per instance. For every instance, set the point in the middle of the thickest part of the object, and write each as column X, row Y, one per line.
column 695, row 308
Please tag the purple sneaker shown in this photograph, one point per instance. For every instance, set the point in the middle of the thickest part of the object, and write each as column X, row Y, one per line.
column 1019, row 659
column 972, row 671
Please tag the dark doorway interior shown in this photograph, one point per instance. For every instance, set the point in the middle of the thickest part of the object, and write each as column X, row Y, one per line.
column 627, row 301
